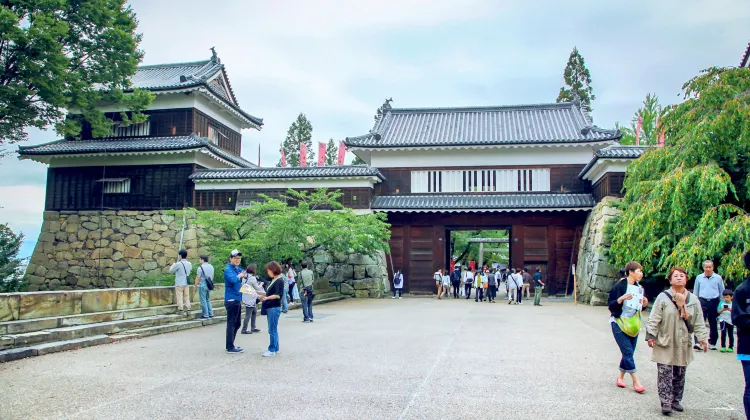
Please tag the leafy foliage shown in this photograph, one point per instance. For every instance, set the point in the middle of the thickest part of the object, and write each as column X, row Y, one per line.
column 577, row 82
column 73, row 54
column 650, row 112
column 689, row 201
column 276, row 230
column 11, row 277
column 463, row 251
column 358, row 161
column 332, row 156
column 299, row 132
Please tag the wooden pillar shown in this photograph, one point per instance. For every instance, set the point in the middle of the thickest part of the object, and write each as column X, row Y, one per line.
column 516, row 246
column 481, row 254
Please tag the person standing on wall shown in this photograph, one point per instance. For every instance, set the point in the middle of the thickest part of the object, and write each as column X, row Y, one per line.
column 398, row 284
column 307, row 277
column 468, row 282
column 233, row 276
column 456, row 280
column 271, row 306
column 438, row 277
column 250, row 300
column 709, row 287
column 538, row 287
column 181, row 270
column 526, row 282
column 204, row 277
column 741, row 320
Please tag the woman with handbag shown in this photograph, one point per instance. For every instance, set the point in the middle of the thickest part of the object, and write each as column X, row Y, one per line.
column 271, row 306
column 676, row 315
column 625, row 319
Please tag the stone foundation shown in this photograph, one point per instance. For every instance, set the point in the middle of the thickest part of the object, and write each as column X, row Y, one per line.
column 354, row 275
column 595, row 274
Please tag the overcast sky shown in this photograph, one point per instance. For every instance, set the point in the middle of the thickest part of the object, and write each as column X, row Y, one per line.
column 337, row 62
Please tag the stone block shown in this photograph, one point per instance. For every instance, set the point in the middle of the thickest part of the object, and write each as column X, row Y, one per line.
column 158, row 296
column 148, row 224
column 41, row 271
column 164, row 242
column 17, row 354
column 140, row 230
column 347, row 272
column 49, row 304
column 320, row 268
column 90, row 225
column 132, row 240
column 102, row 253
column 373, row 271
column 376, row 294
column 153, row 236
column 150, row 265
column 128, row 299
column 132, row 252
column 72, row 227
column 9, row 306
column 82, row 234
column 161, row 228
column 51, row 216
column 90, row 244
column 361, row 284
column 54, row 284
column 117, row 256
column 192, row 244
column 321, row 257
column 359, row 271
column 127, row 275
column 146, row 244
column 61, row 236
column 98, row 301
column 125, row 229
column 147, row 255
column 135, row 264
column 361, row 259
column 361, row 294
column 347, row 289
column 96, row 236
column 170, row 253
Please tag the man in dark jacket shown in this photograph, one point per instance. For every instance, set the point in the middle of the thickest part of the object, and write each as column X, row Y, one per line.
column 456, row 280
column 741, row 320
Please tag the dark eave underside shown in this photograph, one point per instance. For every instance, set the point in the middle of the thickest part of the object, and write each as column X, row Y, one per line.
column 486, row 202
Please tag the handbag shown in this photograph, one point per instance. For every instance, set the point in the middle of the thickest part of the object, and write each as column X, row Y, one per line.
column 630, row 326
column 263, row 310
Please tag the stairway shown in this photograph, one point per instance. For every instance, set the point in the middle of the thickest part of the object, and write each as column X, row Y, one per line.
column 39, row 336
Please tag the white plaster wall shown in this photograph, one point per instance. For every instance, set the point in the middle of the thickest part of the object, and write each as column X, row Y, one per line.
column 579, row 155
column 603, row 166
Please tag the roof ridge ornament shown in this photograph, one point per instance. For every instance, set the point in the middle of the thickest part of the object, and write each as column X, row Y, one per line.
column 214, row 56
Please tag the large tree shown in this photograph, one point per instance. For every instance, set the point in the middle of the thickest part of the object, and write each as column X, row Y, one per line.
column 689, row 201
column 649, row 112
column 577, row 82
column 332, row 153
column 300, row 132
column 11, row 276
column 66, row 54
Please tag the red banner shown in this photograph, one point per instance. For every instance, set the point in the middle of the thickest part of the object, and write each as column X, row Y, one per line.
column 303, row 154
column 321, row 154
column 342, row 153
column 638, row 131
column 283, row 158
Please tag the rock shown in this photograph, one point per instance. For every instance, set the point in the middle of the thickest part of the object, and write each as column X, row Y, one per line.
column 150, row 265
column 41, row 271
column 148, row 224
column 90, row 225
column 376, row 294
column 161, row 228
column 373, row 271
column 61, row 236
column 82, row 234
column 146, row 245
column 102, row 253
column 359, row 271
column 127, row 275
column 154, row 237
column 361, row 284
column 54, row 284
column 135, row 264
column 53, row 227
column 106, row 233
column 132, row 239
column 119, row 265
column 347, row 272
column 125, row 229
column 189, row 235
column 140, row 230
column 193, row 244
column 164, row 241
column 347, row 289
column 146, row 255
column 320, row 269
column 321, row 257
column 361, row 294
column 71, row 227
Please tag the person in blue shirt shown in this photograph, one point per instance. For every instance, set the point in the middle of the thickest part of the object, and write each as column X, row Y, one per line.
column 741, row 320
column 233, row 276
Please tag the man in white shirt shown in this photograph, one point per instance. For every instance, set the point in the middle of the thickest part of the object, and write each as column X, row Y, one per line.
column 709, row 287
column 181, row 270
column 468, row 282
column 511, row 287
column 518, row 279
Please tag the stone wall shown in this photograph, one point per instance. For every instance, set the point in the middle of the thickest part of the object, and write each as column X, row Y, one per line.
column 105, row 249
column 354, row 275
column 595, row 275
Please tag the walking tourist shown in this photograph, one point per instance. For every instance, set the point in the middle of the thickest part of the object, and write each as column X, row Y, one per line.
column 741, row 319
column 468, row 282
column 202, row 280
column 307, row 277
column 181, row 270
column 709, row 287
column 233, row 276
column 676, row 314
column 446, row 283
column 526, row 282
column 492, row 286
column 438, row 277
column 478, row 285
column 538, row 287
column 250, row 300
column 291, row 276
column 398, row 284
column 285, row 298
column 456, row 280
column 271, row 305
column 518, row 278
column 725, row 322
column 511, row 289
column 625, row 320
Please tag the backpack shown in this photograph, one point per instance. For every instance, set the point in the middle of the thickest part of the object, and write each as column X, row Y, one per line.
column 209, row 280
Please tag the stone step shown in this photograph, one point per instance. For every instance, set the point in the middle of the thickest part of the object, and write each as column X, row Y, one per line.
column 161, row 329
column 46, row 348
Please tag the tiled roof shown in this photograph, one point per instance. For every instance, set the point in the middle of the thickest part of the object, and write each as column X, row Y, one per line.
column 129, row 144
column 176, row 76
column 288, row 172
column 485, row 202
column 483, row 126
column 614, row 152
column 745, row 57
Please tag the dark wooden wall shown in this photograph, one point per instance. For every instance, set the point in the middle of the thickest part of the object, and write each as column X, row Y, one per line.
column 609, row 185
column 355, row 198
column 232, row 143
column 563, row 178
column 151, row 188
column 549, row 240
column 215, row 200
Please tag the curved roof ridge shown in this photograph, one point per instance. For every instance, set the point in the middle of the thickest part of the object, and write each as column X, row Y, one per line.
column 483, row 107
column 187, row 63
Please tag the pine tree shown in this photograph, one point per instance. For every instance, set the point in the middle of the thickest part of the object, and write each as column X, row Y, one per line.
column 299, row 132
column 577, row 82
column 383, row 109
column 332, row 153
column 10, row 264
column 650, row 112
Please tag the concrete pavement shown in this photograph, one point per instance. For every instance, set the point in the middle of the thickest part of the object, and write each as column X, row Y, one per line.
column 371, row 359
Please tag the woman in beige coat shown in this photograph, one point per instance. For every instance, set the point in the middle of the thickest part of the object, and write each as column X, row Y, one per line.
column 675, row 315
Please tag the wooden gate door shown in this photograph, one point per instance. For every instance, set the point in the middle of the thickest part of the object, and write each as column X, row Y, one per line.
column 421, row 260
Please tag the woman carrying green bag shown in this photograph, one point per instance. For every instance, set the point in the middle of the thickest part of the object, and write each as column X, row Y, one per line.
column 626, row 300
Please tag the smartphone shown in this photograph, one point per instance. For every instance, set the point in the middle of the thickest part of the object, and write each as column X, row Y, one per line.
column 726, row 306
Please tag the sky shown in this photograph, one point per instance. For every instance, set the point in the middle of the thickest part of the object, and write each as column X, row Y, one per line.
column 337, row 61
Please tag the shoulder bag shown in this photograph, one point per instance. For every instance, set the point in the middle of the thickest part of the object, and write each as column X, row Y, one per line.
column 209, row 280
column 263, row 310
column 671, row 299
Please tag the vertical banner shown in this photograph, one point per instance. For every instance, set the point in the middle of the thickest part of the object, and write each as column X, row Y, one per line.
column 303, row 154
column 258, row 154
column 342, row 153
column 321, row 154
column 638, row 131
column 283, row 157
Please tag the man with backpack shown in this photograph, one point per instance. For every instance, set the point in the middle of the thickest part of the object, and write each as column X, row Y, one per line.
column 181, row 270
column 204, row 283
column 456, row 280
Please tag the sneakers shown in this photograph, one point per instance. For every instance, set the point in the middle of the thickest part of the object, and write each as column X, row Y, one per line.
column 255, row 330
column 306, row 320
column 697, row 347
column 269, row 354
column 712, row 347
column 399, row 297
column 235, row 350
column 394, row 297
column 725, row 350
column 246, row 332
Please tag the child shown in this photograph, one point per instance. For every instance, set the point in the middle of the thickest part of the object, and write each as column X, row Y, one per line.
column 398, row 284
column 725, row 320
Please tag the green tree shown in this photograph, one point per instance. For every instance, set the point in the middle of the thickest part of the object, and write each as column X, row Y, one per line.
column 299, row 132
column 577, row 82
column 358, row 161
column 689, row 201
column 383, row 110
column 332, row 154
column 294, row 228
column 463, row 251
column 11, row 277
column 57, row 55
column 650, row 112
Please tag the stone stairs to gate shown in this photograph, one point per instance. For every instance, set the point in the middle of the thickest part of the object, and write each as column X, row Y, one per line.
column 38, row 323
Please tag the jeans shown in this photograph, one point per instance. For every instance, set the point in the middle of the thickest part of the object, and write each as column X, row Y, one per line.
column 398, row 290
column 627, row 348
column 234, row 310
column 456, row 290
column 468, row 290
column 291, row 292
column 519, row 295
column 307, row 306
column 182, row 295
column 250, row 313
column 273, row 315
column 479, row 295
column 284, row 302
column 491, row 293
column 205, row 298
column 710, row 313
column 746, row 398
column 537, row 295
column 727, row 329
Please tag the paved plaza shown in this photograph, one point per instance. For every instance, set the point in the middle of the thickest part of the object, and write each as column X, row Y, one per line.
column 413, row 358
